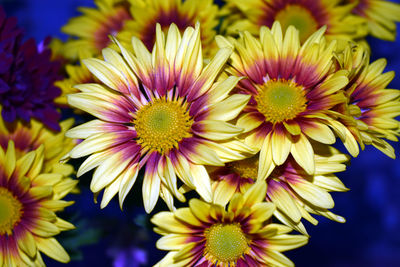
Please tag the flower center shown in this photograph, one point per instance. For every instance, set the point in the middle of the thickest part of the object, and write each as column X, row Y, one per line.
column 299, row 17
column 161, row 124
column 226, row 243
column 10, row 211
column 247, row 168
column 280, row 100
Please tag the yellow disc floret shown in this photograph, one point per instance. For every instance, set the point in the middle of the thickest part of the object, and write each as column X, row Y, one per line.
column 10, row 211
column 226, row 242
column 280, row 100
column 246, row 168
column 161, row 124
column 299, row 17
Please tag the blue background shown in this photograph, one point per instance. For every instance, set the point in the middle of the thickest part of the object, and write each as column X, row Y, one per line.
column 370, row 237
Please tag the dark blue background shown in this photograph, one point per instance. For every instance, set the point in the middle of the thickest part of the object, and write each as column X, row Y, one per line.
column 370, row 237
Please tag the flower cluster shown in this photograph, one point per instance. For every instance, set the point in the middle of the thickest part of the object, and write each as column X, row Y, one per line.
column 235, row 110
column 33, row 182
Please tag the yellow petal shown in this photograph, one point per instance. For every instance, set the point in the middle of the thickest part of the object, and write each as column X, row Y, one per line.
column 280, row 147
column 52, row 248
column 303, row 153
column 266, row 164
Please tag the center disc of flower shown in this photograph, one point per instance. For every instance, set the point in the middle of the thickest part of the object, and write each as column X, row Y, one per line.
column 226, row 242
column 280, row 100
column 300, row 17
column 10, row 211
column 161, row 124
column 246, row 168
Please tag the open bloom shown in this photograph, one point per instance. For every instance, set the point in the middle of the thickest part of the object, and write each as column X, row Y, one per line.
column 28, row 137
column 29, row 199
column 163, row 111
column 242, row 235
column 293, row 91
column 306, row 15
column 295, row 193
column 26, row 77
column 91, row 30
column 381, row 15
column 146, row 14
column 373, row 106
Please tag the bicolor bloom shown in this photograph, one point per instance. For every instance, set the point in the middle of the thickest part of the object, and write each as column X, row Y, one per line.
column 146, row 14
column 381, row 16
column 164, row 111
column 26, row 77
column 206, row 234
column 293, row 92
column 91, row 31
column 306, row 15
column 29, row 200
column 295, row 193
column 28, row 137
column 373, row 106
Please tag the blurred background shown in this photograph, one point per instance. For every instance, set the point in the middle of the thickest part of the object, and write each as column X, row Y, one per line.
column 112, row 237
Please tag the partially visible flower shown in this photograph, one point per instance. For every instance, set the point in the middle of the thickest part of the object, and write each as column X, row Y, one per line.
column 91, row 31
column 373, row 106
column 26, row 77
column 210, row 235
column 164, row 112
column 57, row 51
column 381, row 15
column 306, row 15
column 28, row 137
column 29, row 200
column 293, row 90
column 146, row 14
column 295, row 193
column 76, row 74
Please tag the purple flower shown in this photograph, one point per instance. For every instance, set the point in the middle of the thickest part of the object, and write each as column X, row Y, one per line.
column 27, row 77
column 128, row 257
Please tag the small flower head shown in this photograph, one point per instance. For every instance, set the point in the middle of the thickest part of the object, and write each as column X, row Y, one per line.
column 381, row 15
column 146, row 14
column 241, row 235
column 163, row 111
column 306, row 15
column 28, row 137
column 29, row 199
column 91, row 31
column 373, row 106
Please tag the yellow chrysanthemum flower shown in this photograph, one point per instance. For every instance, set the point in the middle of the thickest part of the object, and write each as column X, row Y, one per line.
column 29, row 199
column 28, row 137
column 381, row 16
column 76, row 74
column 164, row 111
column 295, row 193
column 146, row 14
column 306, row 15
column 293, row 90
column 242, row 235
column 91, row 31
column 373, row 106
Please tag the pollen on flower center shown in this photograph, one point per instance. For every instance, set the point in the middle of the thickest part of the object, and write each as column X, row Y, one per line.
column 161, row 124
column 247, row 168
column 226, row 242
column 10, row 211
column 280, row 100
column 300, row 17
